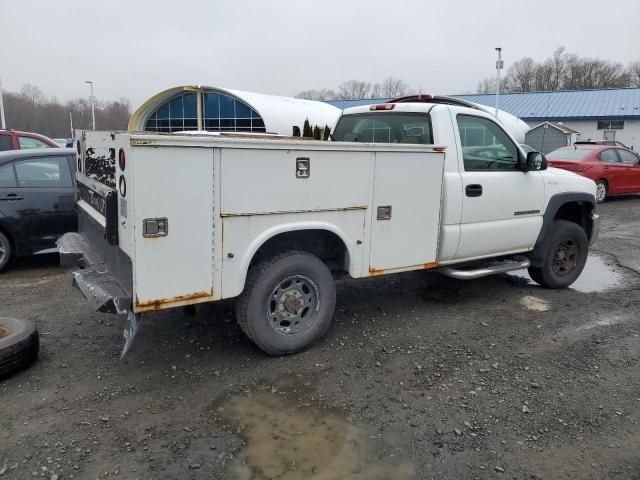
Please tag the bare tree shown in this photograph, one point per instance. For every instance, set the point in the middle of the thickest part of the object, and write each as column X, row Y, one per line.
column 354, row 90
column 633, row 73
column 318, row 95
column 394, row 87
column 376, row 91
column 564, row 71
column 29, row 110
column 521, row 75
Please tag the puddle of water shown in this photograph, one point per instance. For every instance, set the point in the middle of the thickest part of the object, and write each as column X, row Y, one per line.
column 598, row 276
column 289, row 441
column 534, row 304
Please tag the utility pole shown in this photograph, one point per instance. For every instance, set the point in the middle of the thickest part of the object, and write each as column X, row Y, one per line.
column 71, row 123
column 93, row 109
column 3, row 123
column 499, row 66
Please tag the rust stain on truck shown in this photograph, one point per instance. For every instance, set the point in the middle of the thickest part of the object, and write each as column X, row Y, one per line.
column 379, row 271
column 186, row 299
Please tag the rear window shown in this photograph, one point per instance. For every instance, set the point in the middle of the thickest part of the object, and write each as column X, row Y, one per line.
column 384, row 128
column 5, row 143
column 570, row 154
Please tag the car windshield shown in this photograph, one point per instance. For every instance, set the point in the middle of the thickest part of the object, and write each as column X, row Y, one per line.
column 570, row 154
column 384, row 128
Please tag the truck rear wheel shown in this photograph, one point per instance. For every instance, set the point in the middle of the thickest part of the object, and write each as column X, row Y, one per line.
column 287, row 303
column 566, row 255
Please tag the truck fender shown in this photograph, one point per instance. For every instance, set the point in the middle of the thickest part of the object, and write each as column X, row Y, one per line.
column 268, row 234
column 537, row 255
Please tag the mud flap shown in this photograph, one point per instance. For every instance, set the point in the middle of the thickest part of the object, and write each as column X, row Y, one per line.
column 130, row 331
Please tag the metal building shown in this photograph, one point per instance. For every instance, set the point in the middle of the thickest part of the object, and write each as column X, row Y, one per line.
column 549, row 136
column 215, row 109
column 602, row 114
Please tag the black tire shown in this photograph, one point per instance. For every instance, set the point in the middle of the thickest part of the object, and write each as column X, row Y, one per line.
column 19, row 345
column 566, row 254
column 274, row 288
column 602, row 190
column 5, row 251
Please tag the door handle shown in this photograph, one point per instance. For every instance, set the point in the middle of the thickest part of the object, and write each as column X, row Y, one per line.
column 474, row 190
column 11, row 197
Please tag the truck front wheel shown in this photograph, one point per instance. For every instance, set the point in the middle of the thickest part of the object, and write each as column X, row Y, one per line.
column 287, row 303
column 565, row 256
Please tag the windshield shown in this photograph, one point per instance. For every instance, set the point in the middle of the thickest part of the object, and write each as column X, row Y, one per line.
column 570, row 154
column 384, row 128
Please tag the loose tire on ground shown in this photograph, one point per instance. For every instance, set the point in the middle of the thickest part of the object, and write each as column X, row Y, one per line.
column 19, row 345
column 602, row 190
column 287, row 303
column 566, row 255
column 5, row 251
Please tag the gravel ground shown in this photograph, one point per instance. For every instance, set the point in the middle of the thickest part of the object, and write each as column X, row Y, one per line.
column 419, row 377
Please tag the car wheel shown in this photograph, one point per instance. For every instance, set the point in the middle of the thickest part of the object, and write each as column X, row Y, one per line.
column 5, row 251
column 19, row 345
column 566, row 255
column 287, row 303
column 601, row 191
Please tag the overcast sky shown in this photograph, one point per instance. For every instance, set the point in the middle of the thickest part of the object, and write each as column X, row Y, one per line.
column 136, row 48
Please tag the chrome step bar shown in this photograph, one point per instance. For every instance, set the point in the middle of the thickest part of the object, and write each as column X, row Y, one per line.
column 517, row 263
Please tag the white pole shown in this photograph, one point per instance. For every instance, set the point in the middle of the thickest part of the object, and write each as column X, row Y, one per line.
column 3, row 123
column 499, row 65
column 71, row 122
column 93, row 110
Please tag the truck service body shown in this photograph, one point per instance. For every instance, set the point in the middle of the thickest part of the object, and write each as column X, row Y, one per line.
column 168, row 220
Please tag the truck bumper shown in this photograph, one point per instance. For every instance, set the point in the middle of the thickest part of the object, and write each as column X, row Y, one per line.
column 98, row 285
column 595, row 228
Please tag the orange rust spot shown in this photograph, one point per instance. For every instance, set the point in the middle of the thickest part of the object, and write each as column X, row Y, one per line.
column 430, row 265
column 155, row 304
column 376, row 271
column 439, row 148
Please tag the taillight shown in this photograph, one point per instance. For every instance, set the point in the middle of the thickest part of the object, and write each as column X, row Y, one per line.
column 122, row 161
column 383, row 106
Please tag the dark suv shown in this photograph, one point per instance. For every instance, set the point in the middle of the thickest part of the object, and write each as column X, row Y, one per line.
column 37, row 200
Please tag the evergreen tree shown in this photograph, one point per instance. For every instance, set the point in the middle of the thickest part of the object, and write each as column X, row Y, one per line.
column 316, row 133
column 307, row 132
column 327, row 133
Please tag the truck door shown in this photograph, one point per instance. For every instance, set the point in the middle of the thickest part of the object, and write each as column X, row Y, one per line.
column 502, row 205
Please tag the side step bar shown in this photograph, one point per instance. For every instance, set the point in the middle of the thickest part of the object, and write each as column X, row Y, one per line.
column 518, row 263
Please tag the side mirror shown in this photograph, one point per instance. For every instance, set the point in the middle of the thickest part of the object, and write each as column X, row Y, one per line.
column 536, row 162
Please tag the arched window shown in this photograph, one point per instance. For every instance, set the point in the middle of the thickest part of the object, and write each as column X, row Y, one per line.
column 227, row 114
column 178, row 114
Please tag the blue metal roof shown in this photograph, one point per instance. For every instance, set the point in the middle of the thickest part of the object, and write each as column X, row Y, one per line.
column 562, row 105
column 342, row 104
column 604, row 103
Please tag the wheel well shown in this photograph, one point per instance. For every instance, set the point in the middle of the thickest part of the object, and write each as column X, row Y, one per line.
column 578, row 213
column 324, row 244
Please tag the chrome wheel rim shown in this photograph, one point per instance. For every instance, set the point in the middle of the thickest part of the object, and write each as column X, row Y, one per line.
column 4, row 250
column 565, row 258
column 601, row 191
column 292, row 305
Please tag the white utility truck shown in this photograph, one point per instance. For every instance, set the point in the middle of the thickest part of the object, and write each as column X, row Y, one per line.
column 170, row 220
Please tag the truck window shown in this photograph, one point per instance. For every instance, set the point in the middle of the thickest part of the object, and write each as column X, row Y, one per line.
column 384, row 128
column 485, row 146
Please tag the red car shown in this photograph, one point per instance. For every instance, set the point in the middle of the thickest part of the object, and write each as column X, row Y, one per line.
column 15, row 140
column 615, row 170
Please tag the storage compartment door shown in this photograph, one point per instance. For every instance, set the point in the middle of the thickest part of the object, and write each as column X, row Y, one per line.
column 405, row 220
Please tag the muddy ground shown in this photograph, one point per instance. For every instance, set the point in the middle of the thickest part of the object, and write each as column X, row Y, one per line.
column 418, row 377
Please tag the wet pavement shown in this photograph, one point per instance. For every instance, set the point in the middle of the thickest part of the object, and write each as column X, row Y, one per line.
column 419, row 377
